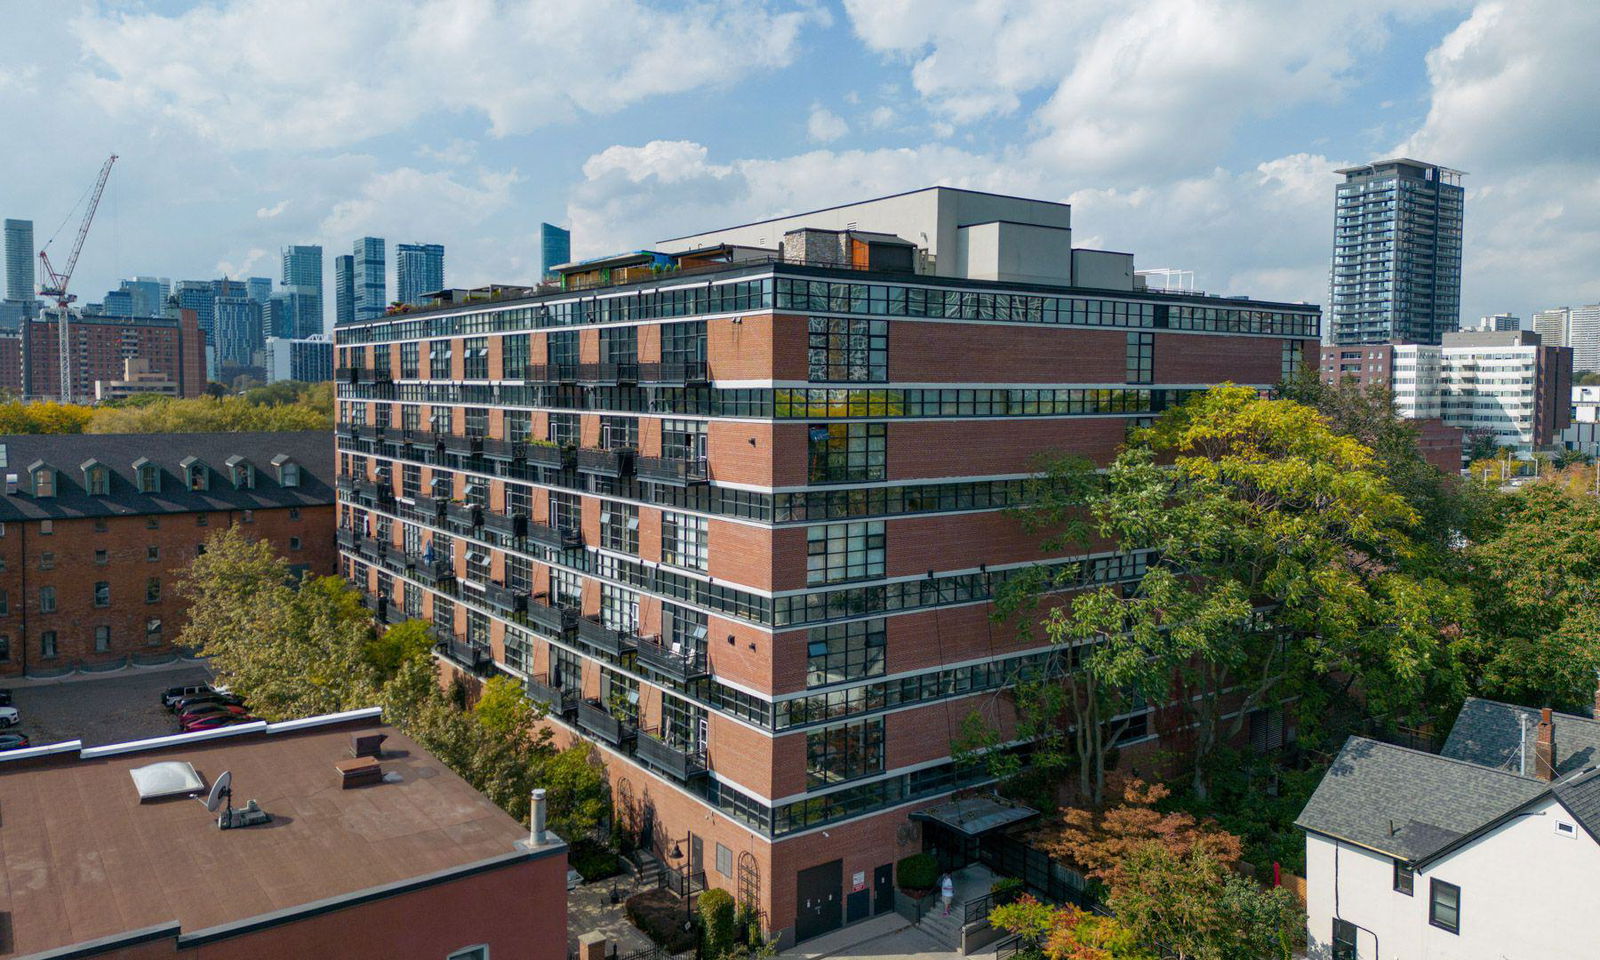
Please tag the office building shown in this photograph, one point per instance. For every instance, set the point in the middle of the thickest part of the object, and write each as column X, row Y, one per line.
column 259, row 289
column 738, row 521
column 174, row 347
column 107, row 524
column 196, row 295
column 418, row 269
column 21, row 284
column 238, row 332
column 1575, row 327
column 371, row 287
column 555, row 248
column 344, row 288
column 117, row 303
column 137, row 380
column 371, row 849
column 1507, row 385
column 309, row 360
column 1500, row 323
column 302, row 280
column 1397, row 253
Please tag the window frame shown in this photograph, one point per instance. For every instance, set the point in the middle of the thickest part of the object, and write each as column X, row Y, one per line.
column 1405, row 878
column 1435, row 887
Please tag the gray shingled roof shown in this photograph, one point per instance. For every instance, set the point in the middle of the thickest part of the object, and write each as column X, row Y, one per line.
column 1488, row 733
column 1407, row 803
column 1581, row 795
column 119, row 452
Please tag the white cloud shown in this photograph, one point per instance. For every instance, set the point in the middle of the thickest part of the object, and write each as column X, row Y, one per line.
column 308, row 74
column 241, row 268
column 408, row 202
column 825, row 126
column 456, row 153
column 267, row 213
column 881, row 117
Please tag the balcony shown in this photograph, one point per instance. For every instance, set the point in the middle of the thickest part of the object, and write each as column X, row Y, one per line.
column 396, row 558
column 508, row 450
column 505, row 524
column 594, row 718
column 675, row 371
column 503, row 598
column 557, row 621
column 603, row 638
column 681, row 765
column 369, row 432
column 346, row 539
column 537, row 373
column 370, row 547
column 605, row 463
column 672, row 471
column 349, row 374
column 626, row 372
column 472, row 657
column 564, row 538
column 675, row 663
column 422, row 438
column 431, row 508
column 345, row 431
column 547, row 454
column 464, row 514
column 561, row 702
column 463, row 446
column 434, row 571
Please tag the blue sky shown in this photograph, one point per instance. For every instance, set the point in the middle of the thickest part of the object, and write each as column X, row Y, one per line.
column 1199, row 134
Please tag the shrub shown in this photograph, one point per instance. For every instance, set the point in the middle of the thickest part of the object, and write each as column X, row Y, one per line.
column 1006, row 889
column 659, row 915
column 716, row 917
column 593, row 861
column 920, row 871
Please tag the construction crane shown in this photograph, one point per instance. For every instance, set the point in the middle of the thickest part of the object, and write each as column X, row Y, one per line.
column 56, row 286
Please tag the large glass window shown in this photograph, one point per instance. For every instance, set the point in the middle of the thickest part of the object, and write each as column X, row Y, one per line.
column 1444, row 906
column 1344, row 940
column 475, row 358
column 564, row 429
column 1291, row 358
column 619, row 526
column 845, row 651
column 844, row 752
column 561, row 348
column 514, row 356
column 847, row 452
column 683, row 440
column 619, row 608
column 439, row 359
column 566, row 589
column 619, row 433
column 477, row 421
column 683, row 540
column 836, row 552
column 1404, row 877
column 519, row 499
column 619, row 345
column 684, row 343
column 410, row 363
column 685, row 630
column 566, row 511
column 683, row 724
column 848, row 349
column 566, row 669
column 1141, row 357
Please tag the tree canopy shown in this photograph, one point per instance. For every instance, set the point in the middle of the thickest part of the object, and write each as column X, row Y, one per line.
column 288, row 405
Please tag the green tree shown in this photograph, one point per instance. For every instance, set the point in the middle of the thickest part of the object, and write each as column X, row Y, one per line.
column 716, row 918
column 1193, row 905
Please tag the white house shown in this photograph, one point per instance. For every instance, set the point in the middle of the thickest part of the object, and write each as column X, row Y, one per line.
column 1485, row 851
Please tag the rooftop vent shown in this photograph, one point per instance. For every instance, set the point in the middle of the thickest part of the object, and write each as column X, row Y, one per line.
column 172, row 778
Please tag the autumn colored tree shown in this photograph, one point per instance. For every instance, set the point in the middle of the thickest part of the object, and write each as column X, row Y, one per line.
column 1100, row 841
column 1193, row 905
column 1067, row 933
column 44, row 417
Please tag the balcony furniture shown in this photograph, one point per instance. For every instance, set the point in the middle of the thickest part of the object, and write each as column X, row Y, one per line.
column 558, row 621
column 674, row 662
column 617, row 462
column 671, row 470
column 603, row 638
column 682, row 765
column 596, row 719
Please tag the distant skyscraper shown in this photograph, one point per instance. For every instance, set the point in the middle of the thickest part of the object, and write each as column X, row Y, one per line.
column 1575, row 327
column 344, row 288
column 302, row 279
column 197, row 295
column 1396, row 253
column 19, row 261
column 418, row 269
column 278, row 318
column 259, row 289
column 237, row 330
column 1499, row 323
column 1552, row 326
column 371, row 288
column 555, row 247
column 310, row 360
column 139, row 297
column 118, row 303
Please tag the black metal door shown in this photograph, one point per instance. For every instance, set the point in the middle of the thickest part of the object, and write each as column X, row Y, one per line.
column 818, row 892
column 883, row 889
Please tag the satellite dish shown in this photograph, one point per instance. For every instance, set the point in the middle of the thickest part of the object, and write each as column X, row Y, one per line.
column 222, row 788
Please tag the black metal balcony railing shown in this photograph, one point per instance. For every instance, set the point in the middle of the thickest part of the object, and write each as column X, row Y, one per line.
column 345, row 431
column 674, row 761
column 463, row 446
column 430, row 506
column 603, row 638
column 422, row 438
column 594, row 718
column 503, row 449
column 349, row 374
column 617, row 462
column 671, row 470
column 558, row 621
column 345, row 538
column 370, row 547
column 682, row 665
column 503, row 598
column 548, row 454
column 397, row 558
column 469, row 656
column 551, row 373
column 369, row 432
column 609, row 372
column 563, row 538
column 675, row 371
column 465, row 514
column 561, row 702
column 435, row 571
column 508, row 524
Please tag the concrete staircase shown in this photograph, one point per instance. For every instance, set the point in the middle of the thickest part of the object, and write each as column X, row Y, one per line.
column 946, row 930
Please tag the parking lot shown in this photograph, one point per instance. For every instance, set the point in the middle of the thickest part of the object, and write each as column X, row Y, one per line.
column 126, row 706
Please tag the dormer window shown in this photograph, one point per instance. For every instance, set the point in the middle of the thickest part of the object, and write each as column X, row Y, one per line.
column 196, row 475
column 44, row 479
column 243, row 473
column 96, row 478
column 288, row 470
column 147, row 475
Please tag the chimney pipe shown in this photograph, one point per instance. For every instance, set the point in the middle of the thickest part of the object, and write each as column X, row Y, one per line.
column 1544, row 748
column 536, row 819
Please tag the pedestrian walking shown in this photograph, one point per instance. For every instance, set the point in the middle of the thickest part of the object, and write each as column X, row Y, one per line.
column 947, row 890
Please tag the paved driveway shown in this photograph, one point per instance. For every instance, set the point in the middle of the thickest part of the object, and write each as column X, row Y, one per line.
column 100, row 710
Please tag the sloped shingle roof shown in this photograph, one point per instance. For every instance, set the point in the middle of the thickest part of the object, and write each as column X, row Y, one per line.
column 1489, row 733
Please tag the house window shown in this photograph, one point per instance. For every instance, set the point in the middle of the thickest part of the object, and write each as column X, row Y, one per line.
column 619, row 433
column 152, row 630
column 47, row 644
column 152, row 523
column 847, row 349
column 99, row 481
column 244, row 476
column 619, row 526
column 619, row 345
column 619, row 608
column 684, row 343
column 844, row 752
column 1444, row 905
column 514, row 356
column 845, row 651
column 201, row 520
column 1291, row 358
column 289, row 474
column 847, row 452
column 1565, row 829
column 101, row 558
column 197, row 476
column 152, row 590
column 724, row 861
column 409, row 360
column 149, row 478
column 477, row 421
column 152, row 553
column 47, row 561
column 1404, row 878
column 561, row 351
column 683, row 540
column 294, row 543
column 102, row 638
column 44, row 482
column 1141, row 357
column 5, row 649
column 439, row 359
column 249, row 516
column 566, row 512
column 102, row 593
column 47, row 527
column 1344, row 940
column 100, row 525
column 837, row 552
column 683, row 440
column 5, row 603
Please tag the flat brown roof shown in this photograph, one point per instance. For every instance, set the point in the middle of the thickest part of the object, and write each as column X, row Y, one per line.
column 81, row 858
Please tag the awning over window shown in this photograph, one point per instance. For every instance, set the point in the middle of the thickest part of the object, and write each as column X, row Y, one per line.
column 974, row 816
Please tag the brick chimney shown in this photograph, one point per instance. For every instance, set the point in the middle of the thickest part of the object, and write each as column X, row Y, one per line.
column 1544, row 748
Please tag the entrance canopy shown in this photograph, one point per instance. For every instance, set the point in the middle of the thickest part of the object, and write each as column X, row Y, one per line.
column 975, row 816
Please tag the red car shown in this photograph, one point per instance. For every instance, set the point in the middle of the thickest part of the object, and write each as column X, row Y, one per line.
column 215, row 720
column 207, row 709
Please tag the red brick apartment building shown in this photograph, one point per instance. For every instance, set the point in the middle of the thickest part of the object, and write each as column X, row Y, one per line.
column 96, row 530
column 735, row 507
column 411, row 863
column 174, row 346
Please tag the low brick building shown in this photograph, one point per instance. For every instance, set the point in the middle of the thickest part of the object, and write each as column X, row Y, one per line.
column 106, row 856
column 96, row 529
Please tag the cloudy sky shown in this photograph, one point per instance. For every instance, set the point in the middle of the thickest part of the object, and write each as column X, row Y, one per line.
column 1199, row 134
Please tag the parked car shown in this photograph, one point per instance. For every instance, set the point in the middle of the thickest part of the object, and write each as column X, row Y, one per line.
column 211, row 710
column 178, row 693
column 14, row 741
column 225, row 699
column 9, row 717
column 216, row 720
